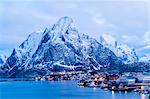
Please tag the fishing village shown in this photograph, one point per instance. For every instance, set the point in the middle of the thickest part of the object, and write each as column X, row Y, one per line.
column 109, row 81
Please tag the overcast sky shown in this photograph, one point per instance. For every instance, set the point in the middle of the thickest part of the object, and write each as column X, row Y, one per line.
column 127, row 20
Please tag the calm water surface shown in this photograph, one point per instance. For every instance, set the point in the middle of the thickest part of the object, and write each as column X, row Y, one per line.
column 57, row 90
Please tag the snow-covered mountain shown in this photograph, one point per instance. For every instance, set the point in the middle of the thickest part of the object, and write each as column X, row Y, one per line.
column 127, row 54
column 60, row 48
column 145, row 58
column 22, row 54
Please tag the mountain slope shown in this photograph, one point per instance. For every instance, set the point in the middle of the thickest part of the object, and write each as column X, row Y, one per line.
column 57, row 49
column 127, row 55
column 23, row 53
column 3, row 59
column 145, row 58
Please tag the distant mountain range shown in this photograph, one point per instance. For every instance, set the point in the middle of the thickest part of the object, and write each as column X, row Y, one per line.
column 62, row 48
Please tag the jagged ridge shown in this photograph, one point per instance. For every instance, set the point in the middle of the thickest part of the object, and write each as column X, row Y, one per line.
column 57, row 49
column 128, row 55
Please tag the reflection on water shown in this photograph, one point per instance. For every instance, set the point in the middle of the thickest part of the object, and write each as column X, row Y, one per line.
column 94, row 88
column 126, row 92
column 58, row 90
column 113, row 94
column 143, row 96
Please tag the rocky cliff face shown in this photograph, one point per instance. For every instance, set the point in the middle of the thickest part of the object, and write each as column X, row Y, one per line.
column 57, row 49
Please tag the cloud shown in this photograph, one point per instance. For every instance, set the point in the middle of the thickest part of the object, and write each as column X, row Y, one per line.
column 141, row 43
column 144, row 48
column 130, row 38
column 126, row 20
column 146, row 37
column 12, row 39
column 43, row 16
column 100, row 20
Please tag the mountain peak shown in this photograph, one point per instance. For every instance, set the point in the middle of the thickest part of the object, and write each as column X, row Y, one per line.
column 63, row 24
column 60, row 48
column 65, row 20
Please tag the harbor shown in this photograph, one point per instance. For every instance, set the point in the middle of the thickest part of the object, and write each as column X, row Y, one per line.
column 118, row 83
column 125, row 82
column 107, row 84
